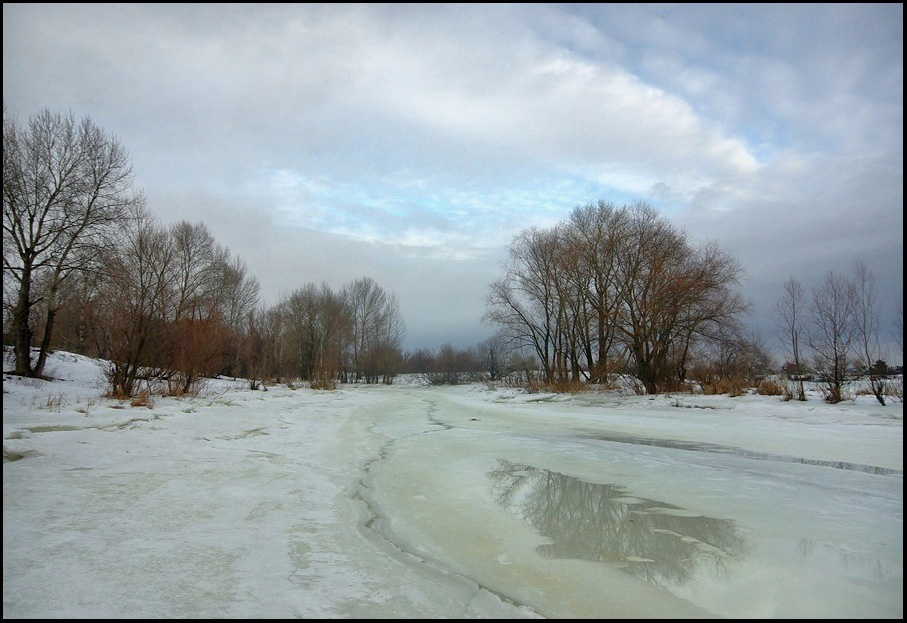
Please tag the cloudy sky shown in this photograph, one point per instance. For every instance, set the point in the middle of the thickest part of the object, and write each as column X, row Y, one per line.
column 411, row 143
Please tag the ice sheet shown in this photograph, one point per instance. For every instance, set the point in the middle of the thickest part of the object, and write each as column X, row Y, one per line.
column 445, row 502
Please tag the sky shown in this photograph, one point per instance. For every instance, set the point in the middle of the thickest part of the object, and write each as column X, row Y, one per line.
column 411, row 143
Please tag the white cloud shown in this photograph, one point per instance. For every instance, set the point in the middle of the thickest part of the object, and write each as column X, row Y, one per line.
column 436, row 132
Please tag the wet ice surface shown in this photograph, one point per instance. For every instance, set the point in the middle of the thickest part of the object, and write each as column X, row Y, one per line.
column 658, row 542
column 457, row 502
column 666, row 545
column 534, row 506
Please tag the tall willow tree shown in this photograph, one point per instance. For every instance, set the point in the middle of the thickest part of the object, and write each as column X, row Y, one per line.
column 615, row 283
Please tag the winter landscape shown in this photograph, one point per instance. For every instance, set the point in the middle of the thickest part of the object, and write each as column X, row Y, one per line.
column 453, row 310
column 466, row 501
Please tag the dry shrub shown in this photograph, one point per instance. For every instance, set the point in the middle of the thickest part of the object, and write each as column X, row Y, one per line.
column 87, row 408
column 788, row 393
column 115, row 392
column 54, row 403
column 733, row 386
column 832, row 394
column 568, row 387
column 534, row 386
column 769, row 387
column 895, row 390
column 324, row 384
column 142, row 399
column 178, row 391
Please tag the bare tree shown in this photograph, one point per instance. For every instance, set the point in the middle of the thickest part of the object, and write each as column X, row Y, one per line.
column 418, row 361
column 260, row 347
column 595, row 231
column 237, row 300
column 790, row 313
column 573, row 292
column 672, row 293
column 366, row 302
column 195, row 269
column 492, row 354
column 391, row 329
column 134, row 303
column 833, row 332
column 452, row 366
column 574, row 335
column 377, row 330
column 314, row 316
column 525, row 302
column 866, row 318
column 65, row 185
column 239, row 293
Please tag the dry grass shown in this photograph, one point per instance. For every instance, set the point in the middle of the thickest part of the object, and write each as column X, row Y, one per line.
column 769, row 387
column 54, row 403
column 894, row 390
column 142, row 399
column 87, row 408
column 323, row 384
column 727, row 385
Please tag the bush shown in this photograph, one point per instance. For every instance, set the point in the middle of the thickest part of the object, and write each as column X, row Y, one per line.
column 184, row 385
column 324, row 384
column 894, row 390
column 769, row 387
column 142, row 399
column 734, row 386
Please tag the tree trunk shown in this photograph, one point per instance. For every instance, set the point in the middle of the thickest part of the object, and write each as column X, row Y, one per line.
column 45, row 342
column 21, row 326
column 48, row 327
column 647, row 376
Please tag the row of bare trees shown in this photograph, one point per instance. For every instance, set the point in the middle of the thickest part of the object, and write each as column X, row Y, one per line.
column 832, row 331
column 87, row 268
column 323, row 336
column 169, row 304
column 616, row 289
column 490, row 360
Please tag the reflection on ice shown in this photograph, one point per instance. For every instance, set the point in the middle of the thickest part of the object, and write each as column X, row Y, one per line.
column 652, row 540
column 857, row 566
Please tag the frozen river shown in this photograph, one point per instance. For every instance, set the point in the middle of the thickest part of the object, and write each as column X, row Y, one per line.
column 579, row 516
column 450, row 502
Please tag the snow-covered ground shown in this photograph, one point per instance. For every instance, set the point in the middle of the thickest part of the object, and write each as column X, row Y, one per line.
column 411, row 501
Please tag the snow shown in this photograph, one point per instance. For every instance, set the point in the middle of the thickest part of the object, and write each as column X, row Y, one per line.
column 468, row 502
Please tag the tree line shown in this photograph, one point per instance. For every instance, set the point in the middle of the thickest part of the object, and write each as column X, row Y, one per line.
column 833, row 332
column 609, row 290
column 88, row 268
column 621, row 290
